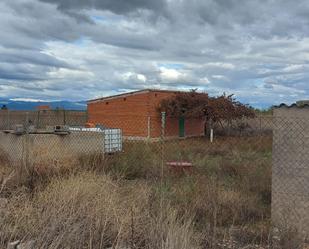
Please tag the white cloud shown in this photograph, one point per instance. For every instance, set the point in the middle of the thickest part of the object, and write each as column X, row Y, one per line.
column 293, row 68
column 27, row 99
column 219, row 77
column 171, row 75
column 64, row 73
column 205, row 80
column 133, row 77
column 223, row 65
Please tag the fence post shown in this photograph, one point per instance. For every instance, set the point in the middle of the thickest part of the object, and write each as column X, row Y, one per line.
column 27, row 142
column 64, row 117
column 38, row 120
column 211, row 135
column 28, row 168
column 210, row 130
column 163, row 123
column 8, row 120
column 148, row 127
column 260, row 123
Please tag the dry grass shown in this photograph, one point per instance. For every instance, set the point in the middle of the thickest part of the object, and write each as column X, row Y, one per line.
column 92, row 211
column 121, row 200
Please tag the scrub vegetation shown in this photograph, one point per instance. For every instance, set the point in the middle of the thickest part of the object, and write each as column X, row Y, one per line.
column 133, row 200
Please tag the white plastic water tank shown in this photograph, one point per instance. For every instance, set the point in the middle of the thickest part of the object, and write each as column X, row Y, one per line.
column 112, row 137
column 112, row 140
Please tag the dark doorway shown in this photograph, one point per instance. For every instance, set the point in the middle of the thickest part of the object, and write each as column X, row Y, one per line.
column 181, row 127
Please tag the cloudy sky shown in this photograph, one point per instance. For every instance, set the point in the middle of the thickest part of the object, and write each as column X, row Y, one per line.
column 83, row 49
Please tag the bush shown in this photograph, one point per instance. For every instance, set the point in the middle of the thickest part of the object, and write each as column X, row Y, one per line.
column 138, row 160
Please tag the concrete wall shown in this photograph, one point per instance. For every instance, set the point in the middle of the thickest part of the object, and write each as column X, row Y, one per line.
column 50, row 148
column 290, row 176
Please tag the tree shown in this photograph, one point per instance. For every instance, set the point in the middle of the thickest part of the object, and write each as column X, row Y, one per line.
column 4, row 107
column 199, row 105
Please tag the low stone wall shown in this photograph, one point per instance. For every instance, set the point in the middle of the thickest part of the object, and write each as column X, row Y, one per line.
column 50, row 148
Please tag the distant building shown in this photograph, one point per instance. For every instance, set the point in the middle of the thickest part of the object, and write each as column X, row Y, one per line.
column 137, row 115
column 43, row 108
column 302, row 103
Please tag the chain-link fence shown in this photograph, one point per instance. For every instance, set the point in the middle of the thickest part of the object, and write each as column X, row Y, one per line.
column 41, row 118
column 290, row 170
column 224, row 172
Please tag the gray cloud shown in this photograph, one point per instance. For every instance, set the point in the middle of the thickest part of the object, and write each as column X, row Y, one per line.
column 118, row 7
column 31, row 57
column 84, row 49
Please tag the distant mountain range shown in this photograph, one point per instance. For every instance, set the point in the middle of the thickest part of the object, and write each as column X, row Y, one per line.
column 31, row 105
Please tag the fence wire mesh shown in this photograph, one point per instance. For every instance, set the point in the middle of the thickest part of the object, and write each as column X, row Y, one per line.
column 41, row 119
column 225, row 174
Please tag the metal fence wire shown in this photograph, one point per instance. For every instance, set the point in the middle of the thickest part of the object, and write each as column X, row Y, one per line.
column 260, row 165
column 41, row 119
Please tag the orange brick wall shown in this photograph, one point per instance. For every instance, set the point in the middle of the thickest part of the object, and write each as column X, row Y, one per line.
column 194, row 127
column 134, row 113
column 128, row 113
column 155, row 99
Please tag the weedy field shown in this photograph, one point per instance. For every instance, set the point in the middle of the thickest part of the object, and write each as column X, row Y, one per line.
column 132, row 199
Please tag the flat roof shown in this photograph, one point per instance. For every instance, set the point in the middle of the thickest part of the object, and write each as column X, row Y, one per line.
column 131, row 93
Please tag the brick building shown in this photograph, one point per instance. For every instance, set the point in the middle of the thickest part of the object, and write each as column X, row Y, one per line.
column 43, row 108
column 137, row 115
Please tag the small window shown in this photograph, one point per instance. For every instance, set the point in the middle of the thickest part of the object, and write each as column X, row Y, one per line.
column 106, row 103
column 124, row 99
column 156, row 95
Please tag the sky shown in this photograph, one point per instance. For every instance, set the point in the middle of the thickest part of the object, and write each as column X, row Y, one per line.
column 84, row 49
